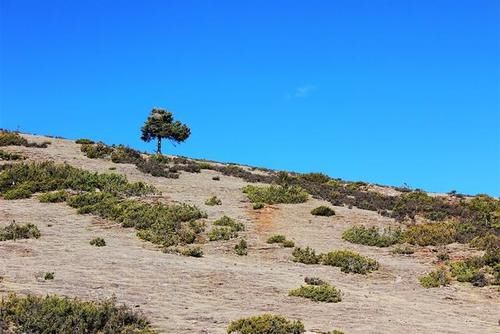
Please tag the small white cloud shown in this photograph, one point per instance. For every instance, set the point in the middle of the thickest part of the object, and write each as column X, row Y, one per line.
column 301, row 92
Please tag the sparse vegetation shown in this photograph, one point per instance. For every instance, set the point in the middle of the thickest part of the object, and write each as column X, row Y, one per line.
column 225, row 228
column 54, row 196
column 431, row 234
column 49, row 276
column 372, row 236
column 305, row 255
column 437, row 278
column 274, row 194
column 241, row 248
column 276, row 239
column 7, row 156
column 214, row 200
column 403, row 249
column 258, row 206
column 266, row 324
column 314, row 281
column 54, row 314
column 193, row 251
column 9, row 138
column 96, row 151
column 323, row 211
column 84, row 141
column 318, row 293
column 16, row 231
column 98, row 242
column 349, row 262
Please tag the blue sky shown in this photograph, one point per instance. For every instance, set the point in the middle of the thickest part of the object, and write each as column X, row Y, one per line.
column 380, row 91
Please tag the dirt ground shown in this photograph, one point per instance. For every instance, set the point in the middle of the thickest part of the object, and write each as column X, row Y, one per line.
column 202, row 295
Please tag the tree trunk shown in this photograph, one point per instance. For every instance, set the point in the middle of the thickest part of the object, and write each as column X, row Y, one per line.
column 158, row 149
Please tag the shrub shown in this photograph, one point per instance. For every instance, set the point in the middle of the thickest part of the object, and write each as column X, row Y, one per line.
column 54, row 314
column 125, row 155
column 221, row 233
column 22, row 190
column 265, row 324
column 49, row 276
column 229, row 222
column 335, row 331
column 276, row 239
column 10, row 156
column 372, row 236
column 204, row 165
column 288, row 244
column 431, row 234
column 403, row 249
column 315, row 177
column 84, row 141
column 306, row 255
column 15, row 231
column 437, row 278
column 216, row 178
column 8, row 138
column 349, row 262
column 98, row 242
column 486, row 242
column 323, row 211
column 241, row 248
column 53, row 197
column 275, row 194
column 96, row 151
column 318, row 293
column 213, row 201
column 194, row 251
column 314, row 281
column 258, row 206
column 153, row 167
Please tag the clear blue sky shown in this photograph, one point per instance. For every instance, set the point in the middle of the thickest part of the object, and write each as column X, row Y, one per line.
column 379, row 91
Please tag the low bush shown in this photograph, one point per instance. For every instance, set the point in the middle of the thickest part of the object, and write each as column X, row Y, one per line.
column 153, row 167
column 16, row 231
column 54, row 196
column 314, row 281
column 125, row 155
column 221, row 233
column 315, row 177
column 229, row 222
column 216, row 178
column 276, row 239
column 372, row 236
column 22, row 190
column 54, row 314
column 487, row 242
column 305, row 255
column 84, row 141
column 318, row 293
column 431, row 234
column 288, row 244
column 7, row 156
column 258, row 206
column 274, row 194
column 98, row 242
column 213, row 201
column 404, row 249
column 205, row 165
column 437, row 278
column 49, row 276
column 96, row 151
column 9, row 138
column 194, row 251
column 241, row 248
column 349, row 262
column 323, row 211
column 266, row 324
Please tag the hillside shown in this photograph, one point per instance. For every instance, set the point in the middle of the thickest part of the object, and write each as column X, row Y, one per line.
column 187, row 294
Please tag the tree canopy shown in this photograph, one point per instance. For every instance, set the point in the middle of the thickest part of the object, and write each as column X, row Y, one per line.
column 161, row 125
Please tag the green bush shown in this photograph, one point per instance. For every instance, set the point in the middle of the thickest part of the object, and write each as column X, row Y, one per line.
column 229, row 222
column 323, row 211
column 403, row 249
column 349, row 262
column 49, row 276
column 258, row 206
column 15, row 231
column 288, row 244
column 316, row 177
column 98, row 242
column 274, row 194
column 84, row 141
column 10, row 156
column 486, row 242
column 54, row 314
column 22, row 190
column 241, row 248
column 266, row 324
column 53, row 197
column 213, row 201
column 437, row 278
column 314, row 281
column 276, row 239
column 205, row 165
column 8, row 138
column 318, row 293
column 222, row 233
column 125, row 155
column 305, row 255
column 372, row 236
column 431, row 234
column 193, row 251
column 96, row 151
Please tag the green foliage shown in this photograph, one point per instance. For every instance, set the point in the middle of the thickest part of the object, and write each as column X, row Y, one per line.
column 96, row 151
column 372, row 236
column 437, row 278
column 8, row 138
column 431, row 234
column 349, row 262
column 16, row 231
column 258, row 206
column 318, row 293
column 193, row 251
column 276, row 239
column 323, row 211
column 62, row 315
column 404, row 249
column 241, row 248
column 84, row 141
column 161, row 125
column 98, row 242
column 486, row 242
column 305, row 255
column 48, row 276
column 21, row 180
column 225, row 228
column 464, row 271
column 314, row 281
column 265, row 324
column 316, row 177
column 275, row 194
column 54, row 196
column 335, row 331
column 125, row 155
column 205, row 165
column 213, row 201
column 10, row 156
column 288, row 244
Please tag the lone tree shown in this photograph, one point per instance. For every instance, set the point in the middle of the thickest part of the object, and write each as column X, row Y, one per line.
column 160, row 124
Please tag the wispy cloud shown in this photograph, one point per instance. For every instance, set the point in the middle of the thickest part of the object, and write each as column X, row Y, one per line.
column 301, row 92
